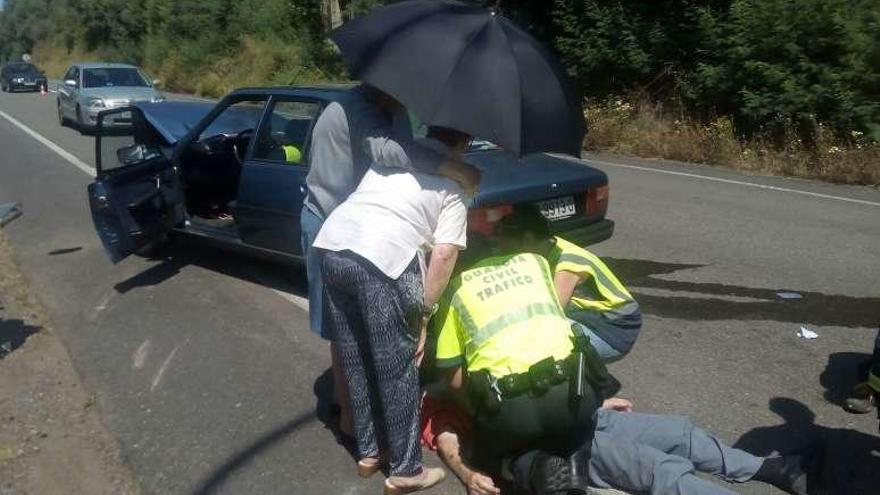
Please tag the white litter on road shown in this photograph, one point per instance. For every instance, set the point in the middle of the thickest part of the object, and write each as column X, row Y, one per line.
column 806, row 333
column 789, row 295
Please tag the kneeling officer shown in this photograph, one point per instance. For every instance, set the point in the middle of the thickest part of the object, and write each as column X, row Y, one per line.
column 505, row 340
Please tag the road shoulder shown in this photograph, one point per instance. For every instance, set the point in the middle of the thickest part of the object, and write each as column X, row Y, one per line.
column 51, row 437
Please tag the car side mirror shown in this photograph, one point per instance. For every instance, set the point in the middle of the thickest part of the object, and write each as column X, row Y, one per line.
column 70, row 82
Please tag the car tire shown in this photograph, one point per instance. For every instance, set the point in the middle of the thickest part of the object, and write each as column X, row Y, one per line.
column 62, row 120
column 83, row 127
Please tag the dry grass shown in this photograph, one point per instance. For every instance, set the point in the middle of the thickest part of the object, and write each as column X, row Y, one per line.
column 255, row 62
column 55, row 60
column 646, row 131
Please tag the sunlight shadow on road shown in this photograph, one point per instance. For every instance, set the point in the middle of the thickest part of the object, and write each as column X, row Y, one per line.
column 13, row 334
column 273, row 275
column 850, row 458
column 245, row 456
column 813, row 308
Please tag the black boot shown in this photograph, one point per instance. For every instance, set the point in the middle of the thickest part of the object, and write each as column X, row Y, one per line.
column 552, row 475
column 795, row 474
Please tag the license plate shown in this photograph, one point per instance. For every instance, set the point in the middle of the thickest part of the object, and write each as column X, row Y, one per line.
column 557, row 208
column 30, row 84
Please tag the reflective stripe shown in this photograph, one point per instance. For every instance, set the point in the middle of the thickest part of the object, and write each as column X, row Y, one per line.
column 464, row 314
column 601, row 276
column 623, row 312
column 520, row 315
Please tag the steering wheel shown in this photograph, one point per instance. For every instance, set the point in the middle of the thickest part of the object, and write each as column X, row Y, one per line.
column 240, row 143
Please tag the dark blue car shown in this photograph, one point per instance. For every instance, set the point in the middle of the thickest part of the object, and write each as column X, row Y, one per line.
column 235, row 172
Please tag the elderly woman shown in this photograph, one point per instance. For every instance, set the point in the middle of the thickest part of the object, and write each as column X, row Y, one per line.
column 379, row 292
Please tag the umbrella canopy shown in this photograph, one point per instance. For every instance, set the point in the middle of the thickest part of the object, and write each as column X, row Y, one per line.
column 467, row 68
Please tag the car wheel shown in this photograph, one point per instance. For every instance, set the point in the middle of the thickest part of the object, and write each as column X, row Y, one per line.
column 61, row 120
column 83, row 126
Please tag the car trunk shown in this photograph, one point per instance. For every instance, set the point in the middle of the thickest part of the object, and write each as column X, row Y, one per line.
column 570, row 194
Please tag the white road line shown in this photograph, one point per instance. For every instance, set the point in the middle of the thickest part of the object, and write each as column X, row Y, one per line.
column 49, row 144
column 736, row 182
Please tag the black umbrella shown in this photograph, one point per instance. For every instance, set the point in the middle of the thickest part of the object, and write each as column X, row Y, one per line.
column 467, row 68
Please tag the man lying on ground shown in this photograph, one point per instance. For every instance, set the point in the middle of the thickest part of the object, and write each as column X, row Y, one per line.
column 644, row 453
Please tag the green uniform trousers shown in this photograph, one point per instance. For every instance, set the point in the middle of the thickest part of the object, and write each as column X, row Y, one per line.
column 550, row 422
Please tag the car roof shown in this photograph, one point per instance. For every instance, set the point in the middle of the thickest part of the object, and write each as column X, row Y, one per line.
column 104, row 65
column 320, row 92
column 18, row 64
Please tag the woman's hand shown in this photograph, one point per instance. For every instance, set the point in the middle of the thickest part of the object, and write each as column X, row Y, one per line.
column 617, row 404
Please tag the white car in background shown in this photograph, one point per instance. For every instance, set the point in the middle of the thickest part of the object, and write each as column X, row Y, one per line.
column 88, row 89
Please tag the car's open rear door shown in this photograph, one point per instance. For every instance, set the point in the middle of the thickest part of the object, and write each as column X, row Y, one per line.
column 136, row 197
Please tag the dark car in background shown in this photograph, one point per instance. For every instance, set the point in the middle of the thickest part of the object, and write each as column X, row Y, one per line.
column 235, row 172
column 16, row 76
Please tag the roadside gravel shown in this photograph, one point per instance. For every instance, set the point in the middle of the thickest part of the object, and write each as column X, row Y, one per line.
column 51, row 437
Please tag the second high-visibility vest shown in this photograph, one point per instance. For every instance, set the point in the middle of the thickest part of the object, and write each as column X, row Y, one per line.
column 602, row 291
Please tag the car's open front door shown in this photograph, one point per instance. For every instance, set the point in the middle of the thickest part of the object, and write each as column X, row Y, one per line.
column 136, row 197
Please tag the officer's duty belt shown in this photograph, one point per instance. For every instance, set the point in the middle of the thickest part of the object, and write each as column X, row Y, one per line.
column 540, row 377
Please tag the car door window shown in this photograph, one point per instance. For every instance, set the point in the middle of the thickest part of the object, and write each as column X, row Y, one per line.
column 237, row 118
column 125, row 139
column 285, row 134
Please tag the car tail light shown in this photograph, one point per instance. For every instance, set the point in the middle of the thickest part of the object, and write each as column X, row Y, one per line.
column 597, row 201
column 483, row 220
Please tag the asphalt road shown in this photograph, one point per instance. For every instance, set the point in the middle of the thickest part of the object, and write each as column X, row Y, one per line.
column 204, row 369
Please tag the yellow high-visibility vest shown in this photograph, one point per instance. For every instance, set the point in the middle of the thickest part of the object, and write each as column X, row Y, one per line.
column 605, row 293
column 292, row 154
column 502, row 316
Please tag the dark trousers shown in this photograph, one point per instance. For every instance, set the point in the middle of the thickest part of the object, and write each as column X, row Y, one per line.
column 551, row 422
column 375, row 322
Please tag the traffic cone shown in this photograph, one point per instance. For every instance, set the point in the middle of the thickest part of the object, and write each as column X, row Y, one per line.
column 43, row 90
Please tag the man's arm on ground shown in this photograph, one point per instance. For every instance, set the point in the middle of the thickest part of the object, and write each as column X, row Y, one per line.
column 565, row 283
column 449, row 450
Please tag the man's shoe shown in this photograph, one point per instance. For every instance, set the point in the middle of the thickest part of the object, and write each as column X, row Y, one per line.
column 863, row 400
column 797, row 474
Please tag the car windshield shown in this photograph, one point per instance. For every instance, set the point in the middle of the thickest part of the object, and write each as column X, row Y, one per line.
column 22, row 69
column 115, row 76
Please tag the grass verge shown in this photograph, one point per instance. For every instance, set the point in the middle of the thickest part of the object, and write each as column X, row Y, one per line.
column 646, row 131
